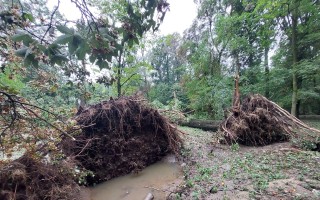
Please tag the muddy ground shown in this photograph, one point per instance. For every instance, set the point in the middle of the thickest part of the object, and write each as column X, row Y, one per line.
column 215, row 171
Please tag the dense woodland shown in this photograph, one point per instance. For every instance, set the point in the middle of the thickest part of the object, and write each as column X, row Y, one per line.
column 50, row 65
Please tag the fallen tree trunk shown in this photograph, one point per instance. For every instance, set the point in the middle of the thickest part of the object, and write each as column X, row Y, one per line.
column 309, row 117
column 207, row 125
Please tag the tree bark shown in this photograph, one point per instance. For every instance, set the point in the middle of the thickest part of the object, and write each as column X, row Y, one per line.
column 207, row 125
column 266, row 72
column 119, row 73
column 294, row 49
column 236, row 95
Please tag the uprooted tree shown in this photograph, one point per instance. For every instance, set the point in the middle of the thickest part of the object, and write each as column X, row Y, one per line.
column 120, row 136
column 259, row 121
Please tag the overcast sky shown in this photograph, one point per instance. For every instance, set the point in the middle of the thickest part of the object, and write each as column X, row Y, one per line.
column 179, row 18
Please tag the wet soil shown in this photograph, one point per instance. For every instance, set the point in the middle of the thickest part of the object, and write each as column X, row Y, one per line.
column 156, row 179
column 216, row 171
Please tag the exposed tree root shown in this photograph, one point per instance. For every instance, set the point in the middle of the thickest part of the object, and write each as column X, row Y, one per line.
column 127, row 136
column 29, row 179
column 259, row 121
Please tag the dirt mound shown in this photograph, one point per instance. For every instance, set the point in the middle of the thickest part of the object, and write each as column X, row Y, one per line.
column 259, row 121
column 121, row 136
column 27, row 178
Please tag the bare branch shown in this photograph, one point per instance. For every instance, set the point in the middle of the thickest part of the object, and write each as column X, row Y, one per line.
column 14, row 103
column 13, row 114
column 128, row 79
column 51, row 19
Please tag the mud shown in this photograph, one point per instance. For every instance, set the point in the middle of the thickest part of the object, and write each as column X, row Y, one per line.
column 157, row 179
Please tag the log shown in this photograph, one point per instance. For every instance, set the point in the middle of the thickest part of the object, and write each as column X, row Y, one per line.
column 207, row 125
column 309, row 117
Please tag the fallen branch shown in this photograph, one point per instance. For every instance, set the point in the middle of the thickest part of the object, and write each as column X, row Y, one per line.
column 14, row 103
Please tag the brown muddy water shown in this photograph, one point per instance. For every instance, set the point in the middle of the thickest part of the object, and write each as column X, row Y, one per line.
column 157, row 179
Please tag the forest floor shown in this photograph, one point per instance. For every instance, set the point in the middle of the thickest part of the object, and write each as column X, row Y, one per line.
column 277, row 171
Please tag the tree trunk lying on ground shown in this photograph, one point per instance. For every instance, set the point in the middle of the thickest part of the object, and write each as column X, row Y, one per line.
column 207, row 125
column 309, row 117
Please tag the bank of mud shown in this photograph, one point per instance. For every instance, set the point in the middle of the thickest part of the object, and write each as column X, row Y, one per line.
column 218, row 171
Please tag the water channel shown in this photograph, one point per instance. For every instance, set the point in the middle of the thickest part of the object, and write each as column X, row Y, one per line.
column 156, row 179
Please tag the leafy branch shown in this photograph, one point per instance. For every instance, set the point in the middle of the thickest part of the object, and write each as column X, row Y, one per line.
column 11, row 106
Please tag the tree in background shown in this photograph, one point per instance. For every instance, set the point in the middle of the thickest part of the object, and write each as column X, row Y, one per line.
column 239, row 37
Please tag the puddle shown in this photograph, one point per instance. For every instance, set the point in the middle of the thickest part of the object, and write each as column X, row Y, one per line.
column 156, row 178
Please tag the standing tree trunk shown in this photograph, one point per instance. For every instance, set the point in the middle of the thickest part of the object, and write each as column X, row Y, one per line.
column 266, row 72
column 236, row 95
column 119, row 71
column 167, row 69
column 294, row 49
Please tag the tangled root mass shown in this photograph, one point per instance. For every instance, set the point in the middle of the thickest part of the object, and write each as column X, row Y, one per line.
column 30, row 179
column 259, row 121
column 121, row 136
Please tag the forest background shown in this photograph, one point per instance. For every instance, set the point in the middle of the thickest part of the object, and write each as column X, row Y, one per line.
column 51, row 65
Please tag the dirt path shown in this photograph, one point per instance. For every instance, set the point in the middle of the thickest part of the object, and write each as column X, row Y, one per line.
column 276, row 171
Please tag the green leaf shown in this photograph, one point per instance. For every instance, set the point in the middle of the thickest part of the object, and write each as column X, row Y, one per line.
column 21, row 52
column 28, row 16
column 82, row 50
column 92, row 58
column 70, row 83
column 102, row 64
column 72, row 46
column 20, row 36
column 109, row 57
column 130, row 43
column 65, row 29
column 30, row 60
column 125, row 37
column 42, row 47
column 63, row 39
column 59, row 59
column 108, row 37
column 118, row 47
column 136, row 40
column 27, row 41
column 130, row 9
column 52, row 49
column 75, row 43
